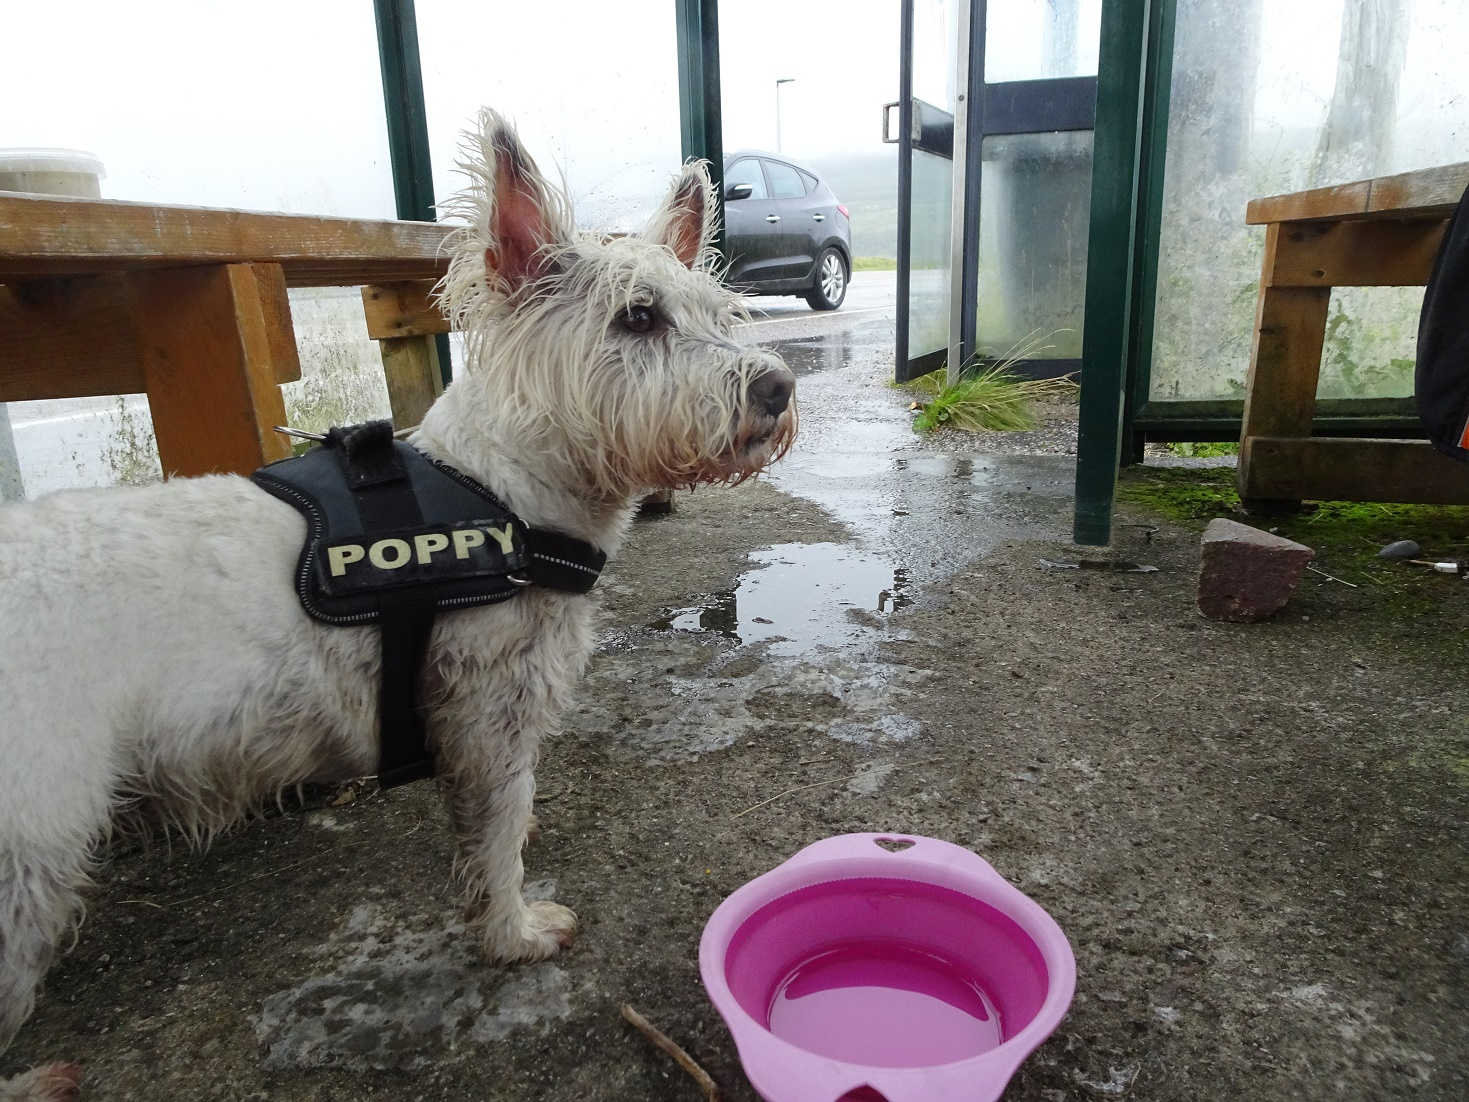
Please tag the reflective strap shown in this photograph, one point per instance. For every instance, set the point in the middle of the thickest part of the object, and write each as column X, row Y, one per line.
column 563, row 562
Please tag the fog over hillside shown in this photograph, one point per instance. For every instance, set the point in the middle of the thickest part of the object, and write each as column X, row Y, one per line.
column 867, row 184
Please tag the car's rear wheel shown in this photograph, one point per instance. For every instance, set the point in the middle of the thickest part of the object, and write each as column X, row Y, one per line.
column 831, row 281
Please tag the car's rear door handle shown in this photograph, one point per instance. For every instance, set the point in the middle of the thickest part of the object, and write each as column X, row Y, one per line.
column 772, row 218
column 818, row 218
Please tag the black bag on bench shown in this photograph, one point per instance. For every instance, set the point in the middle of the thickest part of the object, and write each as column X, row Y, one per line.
column 1441, row 385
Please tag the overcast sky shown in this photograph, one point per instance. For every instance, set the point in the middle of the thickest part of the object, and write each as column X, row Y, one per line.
column 277, row 104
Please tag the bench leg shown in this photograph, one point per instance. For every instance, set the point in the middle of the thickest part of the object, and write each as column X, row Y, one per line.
column 1285, row 364
column 411, row 369
column 216, row 343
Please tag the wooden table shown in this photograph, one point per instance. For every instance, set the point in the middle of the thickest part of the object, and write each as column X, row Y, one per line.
column 189, row 306
column 1383, row 232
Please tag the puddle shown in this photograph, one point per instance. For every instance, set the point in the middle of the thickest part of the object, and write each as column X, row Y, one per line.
column 800, row 596
column 806, row 355
column 926, row 502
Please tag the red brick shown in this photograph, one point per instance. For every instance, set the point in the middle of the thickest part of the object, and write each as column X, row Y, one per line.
column 1246, row 574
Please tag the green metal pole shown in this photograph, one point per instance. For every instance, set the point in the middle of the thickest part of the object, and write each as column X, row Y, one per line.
column 413, row 177
column 700, row 122
column 1158, row 80
column 1110, row 256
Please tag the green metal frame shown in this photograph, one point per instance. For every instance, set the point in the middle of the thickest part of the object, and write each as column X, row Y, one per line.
column 700, row 122
column 408, row 150
column 1157, row 93
column 1125, row 155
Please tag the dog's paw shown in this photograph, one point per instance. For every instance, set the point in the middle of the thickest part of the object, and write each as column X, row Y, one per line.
column 532, row 830
column 545, row 929
column 48, row 1083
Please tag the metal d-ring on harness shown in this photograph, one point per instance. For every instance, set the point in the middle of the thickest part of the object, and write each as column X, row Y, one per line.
column 393, row 538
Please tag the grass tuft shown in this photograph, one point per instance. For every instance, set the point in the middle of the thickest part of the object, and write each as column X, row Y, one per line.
column 994, row 399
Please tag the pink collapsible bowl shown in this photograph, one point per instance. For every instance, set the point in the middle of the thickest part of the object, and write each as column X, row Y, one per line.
column 874, row 967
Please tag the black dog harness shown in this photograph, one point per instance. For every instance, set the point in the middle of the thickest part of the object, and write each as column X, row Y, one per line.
column 394, row 537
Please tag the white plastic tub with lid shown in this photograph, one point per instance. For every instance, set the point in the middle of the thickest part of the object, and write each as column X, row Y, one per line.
column 51, row 172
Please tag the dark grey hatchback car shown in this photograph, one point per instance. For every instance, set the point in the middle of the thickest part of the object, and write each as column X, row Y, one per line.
column 786, row 232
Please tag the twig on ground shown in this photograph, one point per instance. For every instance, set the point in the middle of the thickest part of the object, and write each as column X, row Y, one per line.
column 1331, row 578
column 669, row 1046
column 833, row 780
column 789, row 792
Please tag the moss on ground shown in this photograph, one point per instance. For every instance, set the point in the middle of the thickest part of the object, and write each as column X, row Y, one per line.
column 1181, row 494
column 1346, row 535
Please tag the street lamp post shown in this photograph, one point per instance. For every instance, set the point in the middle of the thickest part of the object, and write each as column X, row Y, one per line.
column 779, row 81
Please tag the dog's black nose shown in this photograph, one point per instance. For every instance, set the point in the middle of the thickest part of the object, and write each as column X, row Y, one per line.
column 772, row 391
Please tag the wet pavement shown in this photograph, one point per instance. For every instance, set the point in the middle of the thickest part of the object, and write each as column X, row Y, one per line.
column 915, row 516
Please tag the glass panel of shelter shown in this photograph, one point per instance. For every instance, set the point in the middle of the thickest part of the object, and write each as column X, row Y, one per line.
column 1272, row 98
column 1035, row 183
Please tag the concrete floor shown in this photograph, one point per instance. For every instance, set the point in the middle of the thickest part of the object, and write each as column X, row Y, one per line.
column 1253, row 835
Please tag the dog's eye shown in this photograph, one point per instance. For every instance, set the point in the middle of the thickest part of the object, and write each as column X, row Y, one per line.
column 638, row 319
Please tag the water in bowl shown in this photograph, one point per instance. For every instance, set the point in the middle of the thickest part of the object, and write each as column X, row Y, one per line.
column 884, row 1005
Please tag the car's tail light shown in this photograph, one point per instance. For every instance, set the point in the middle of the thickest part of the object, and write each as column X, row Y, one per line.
column 844, row 211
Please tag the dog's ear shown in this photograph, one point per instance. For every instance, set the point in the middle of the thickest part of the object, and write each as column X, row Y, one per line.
column 525, row 214
column 686, row 220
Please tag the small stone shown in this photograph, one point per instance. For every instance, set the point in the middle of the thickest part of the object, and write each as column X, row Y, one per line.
column 1246, row 574
column 1400, row 549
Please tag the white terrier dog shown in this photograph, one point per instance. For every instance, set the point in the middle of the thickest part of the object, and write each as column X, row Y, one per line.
column 155, row 660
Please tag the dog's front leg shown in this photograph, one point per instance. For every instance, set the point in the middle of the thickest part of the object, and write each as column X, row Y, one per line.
column 490, row 815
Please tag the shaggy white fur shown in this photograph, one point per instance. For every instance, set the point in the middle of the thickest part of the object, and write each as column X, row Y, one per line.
column 156, row 663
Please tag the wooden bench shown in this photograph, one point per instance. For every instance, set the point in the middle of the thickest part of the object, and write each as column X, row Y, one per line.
column 1383, row 232
column 188, row 305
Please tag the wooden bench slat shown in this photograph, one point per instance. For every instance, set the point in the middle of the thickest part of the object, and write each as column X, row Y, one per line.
column 79, row 337
column 344, row 273
column 1321, row 202
column 402, row 309
column 1355, row 254
column 44, row 236
column 1427, row 192
column 1339, row 469
column 74, row 338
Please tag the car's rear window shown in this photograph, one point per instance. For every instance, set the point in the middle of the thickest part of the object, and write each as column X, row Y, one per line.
column 785, row 181
column 746, row 172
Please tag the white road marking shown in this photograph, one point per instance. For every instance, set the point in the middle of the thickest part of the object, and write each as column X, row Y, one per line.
column 61, row 418
column 816, row 314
